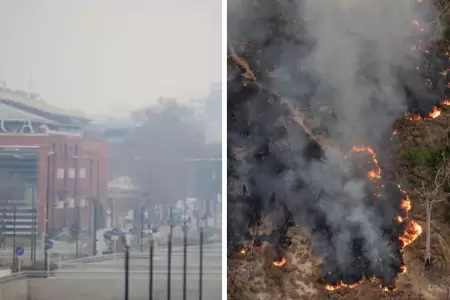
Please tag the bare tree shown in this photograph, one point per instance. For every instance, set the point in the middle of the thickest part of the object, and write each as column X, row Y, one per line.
column 432, row 194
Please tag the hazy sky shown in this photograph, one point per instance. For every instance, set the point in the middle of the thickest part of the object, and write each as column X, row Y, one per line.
column 110, row 55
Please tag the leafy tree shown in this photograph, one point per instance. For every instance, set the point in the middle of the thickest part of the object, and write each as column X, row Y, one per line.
column 160, row 152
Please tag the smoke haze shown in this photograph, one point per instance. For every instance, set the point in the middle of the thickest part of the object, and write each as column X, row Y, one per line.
column 110, row 56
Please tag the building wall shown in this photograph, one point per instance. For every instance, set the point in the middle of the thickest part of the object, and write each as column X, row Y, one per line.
column 62, row 171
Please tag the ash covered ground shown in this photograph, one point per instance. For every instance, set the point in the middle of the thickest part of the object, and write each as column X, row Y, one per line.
column 310, row 83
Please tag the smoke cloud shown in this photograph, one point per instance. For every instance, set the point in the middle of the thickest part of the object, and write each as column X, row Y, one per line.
column 351, row 68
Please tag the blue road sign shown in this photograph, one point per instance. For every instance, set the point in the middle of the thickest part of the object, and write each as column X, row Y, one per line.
column 116, row 231
column 19, row 251
column 48, row 244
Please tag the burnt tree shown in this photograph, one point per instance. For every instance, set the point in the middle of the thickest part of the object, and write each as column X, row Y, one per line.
column 433, row 193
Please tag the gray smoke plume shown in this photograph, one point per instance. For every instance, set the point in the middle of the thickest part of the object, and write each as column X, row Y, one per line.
column 353, row 59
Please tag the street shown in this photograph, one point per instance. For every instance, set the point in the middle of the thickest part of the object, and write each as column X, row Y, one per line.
column 107, row 277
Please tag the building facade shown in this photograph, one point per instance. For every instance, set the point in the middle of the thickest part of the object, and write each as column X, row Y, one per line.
column 45, row 156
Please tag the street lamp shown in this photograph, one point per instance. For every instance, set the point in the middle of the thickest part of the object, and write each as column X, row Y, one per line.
column 200, row 276
column 126, row 243
column 150, row 263
column 47, row 208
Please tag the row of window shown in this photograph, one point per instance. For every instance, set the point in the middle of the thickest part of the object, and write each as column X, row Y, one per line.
column 70, row 203
column 71, row 173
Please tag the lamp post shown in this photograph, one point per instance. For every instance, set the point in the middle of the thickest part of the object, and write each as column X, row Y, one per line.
column 169, row 255
column 47, row 208
column 14, row 237
column 76, row 202
column 200, row 274
column 141, row 228
column 126, row 243
column 150, row 263
column 95, row 209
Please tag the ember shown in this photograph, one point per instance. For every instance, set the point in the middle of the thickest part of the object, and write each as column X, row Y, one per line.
column 279, row 263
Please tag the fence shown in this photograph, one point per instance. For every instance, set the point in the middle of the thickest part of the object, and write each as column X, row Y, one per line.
column 157, row 273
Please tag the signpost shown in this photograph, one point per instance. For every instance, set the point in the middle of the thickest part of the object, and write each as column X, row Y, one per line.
column 115, row 238
column 19, row 253
column 48, row 246
column 175, row 218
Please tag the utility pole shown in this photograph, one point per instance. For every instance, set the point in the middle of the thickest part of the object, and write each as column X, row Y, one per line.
column 65, row 183
column 33, row 225
column 200, row 274
column 185, row 235
column 97, row 200
column 169, row 254
column 47, row 204
column 91, row 201
column 150, row 263
column 76, row 204
column 14, row 237
column 53, row 188
column 141, row 235
column 127, row 267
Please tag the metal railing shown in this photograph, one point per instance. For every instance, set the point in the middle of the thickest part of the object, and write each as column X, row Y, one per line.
column 166, row 266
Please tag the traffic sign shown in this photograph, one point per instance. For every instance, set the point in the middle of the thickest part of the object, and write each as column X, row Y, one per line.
column 115, row 231
column 175, row 218
column 48, row 244
column 19, row 251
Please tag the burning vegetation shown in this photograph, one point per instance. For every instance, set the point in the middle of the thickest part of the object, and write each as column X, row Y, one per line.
column 306, row 137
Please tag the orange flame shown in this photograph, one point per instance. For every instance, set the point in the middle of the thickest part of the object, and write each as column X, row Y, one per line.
column 341, row 285
column 436, row 112
column 243, row 251
column 412, row 230
column 373, row 174
column 445, row 102
column 279, row 263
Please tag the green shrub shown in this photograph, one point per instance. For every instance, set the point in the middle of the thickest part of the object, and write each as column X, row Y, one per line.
column 425, row 157
column 417, row 156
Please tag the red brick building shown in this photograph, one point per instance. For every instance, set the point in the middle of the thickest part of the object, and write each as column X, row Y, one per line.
column 53, row 160
column 61, row 153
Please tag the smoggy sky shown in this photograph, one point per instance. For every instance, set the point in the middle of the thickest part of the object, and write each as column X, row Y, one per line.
column 108, row 56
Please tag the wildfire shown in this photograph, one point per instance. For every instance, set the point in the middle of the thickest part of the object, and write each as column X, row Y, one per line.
column 436, row 112
column 445, row 102
column 341, row 285
column 412, row 229
column 376, row 172
column 279, row 263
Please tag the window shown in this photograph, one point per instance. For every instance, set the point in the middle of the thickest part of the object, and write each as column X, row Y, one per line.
column 71, row 202
column 82, row 174
column 71, row 173
column 60, row 205
column 60, row 173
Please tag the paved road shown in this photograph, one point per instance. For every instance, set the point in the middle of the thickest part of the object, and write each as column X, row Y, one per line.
column 139, row 262
column 105, row 279
column 211, row 264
